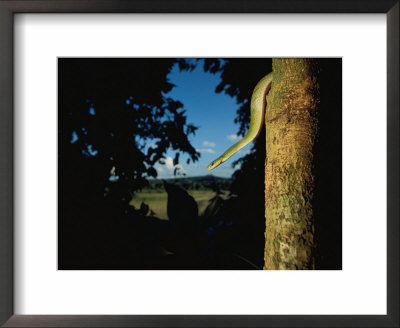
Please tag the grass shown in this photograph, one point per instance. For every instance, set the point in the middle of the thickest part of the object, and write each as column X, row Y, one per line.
column 157, row 200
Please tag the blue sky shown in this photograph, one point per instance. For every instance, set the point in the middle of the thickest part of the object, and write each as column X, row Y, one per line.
column 214, row 116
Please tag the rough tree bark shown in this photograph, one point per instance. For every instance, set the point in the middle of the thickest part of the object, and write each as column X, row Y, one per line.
column 291, row 125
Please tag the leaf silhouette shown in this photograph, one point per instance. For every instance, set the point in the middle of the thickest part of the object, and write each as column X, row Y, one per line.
column 182, row 209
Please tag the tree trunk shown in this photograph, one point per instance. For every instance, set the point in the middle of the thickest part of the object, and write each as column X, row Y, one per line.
column 291, row 125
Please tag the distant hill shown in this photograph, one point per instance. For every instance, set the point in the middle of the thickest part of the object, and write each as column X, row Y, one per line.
column 205, row 182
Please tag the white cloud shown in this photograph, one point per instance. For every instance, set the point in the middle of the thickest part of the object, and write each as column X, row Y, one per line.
column 233, row 137
column 169, row 164
column 209, row 144
column 206, row 150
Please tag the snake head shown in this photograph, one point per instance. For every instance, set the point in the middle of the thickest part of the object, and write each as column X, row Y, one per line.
column 214, row 164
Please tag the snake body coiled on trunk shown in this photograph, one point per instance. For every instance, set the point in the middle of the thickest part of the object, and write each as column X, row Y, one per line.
column 257, row 113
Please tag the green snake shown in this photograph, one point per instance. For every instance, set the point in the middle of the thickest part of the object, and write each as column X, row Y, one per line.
column 257, row 111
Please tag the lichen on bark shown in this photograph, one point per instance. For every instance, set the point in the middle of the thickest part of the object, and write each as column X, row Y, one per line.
column 291, row 125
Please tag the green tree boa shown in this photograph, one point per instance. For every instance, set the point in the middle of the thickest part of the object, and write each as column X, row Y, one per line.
column 257, row 112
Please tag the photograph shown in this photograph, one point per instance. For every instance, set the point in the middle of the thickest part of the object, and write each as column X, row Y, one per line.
column 199, row 163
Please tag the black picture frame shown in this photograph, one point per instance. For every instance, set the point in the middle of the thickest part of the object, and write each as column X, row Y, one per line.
column 10, row 7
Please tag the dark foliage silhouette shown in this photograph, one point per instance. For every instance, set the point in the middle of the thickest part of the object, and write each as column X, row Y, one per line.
column 182, row 209
column 109, row 110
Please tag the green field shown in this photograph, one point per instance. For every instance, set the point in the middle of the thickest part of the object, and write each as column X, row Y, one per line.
column 157, row 200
